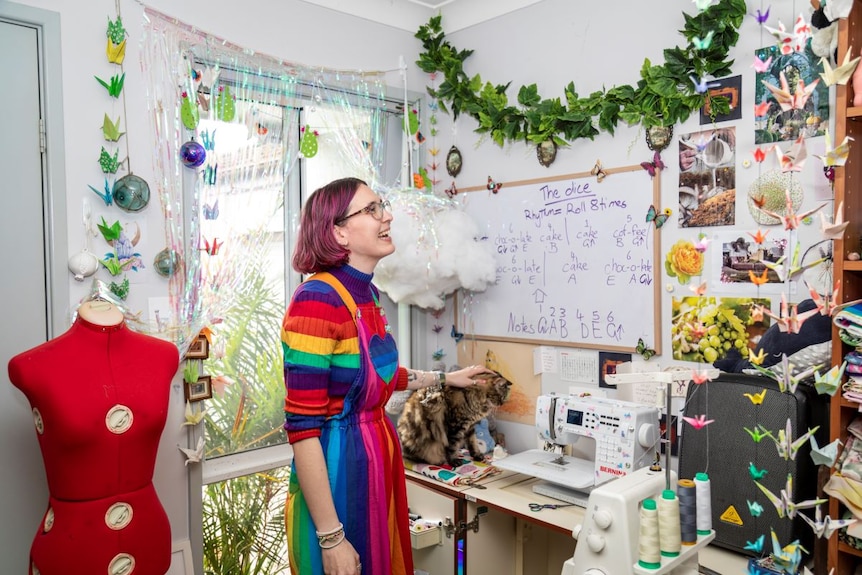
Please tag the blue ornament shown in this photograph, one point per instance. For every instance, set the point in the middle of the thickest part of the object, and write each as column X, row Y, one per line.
column 192, row 154
column 131, row 193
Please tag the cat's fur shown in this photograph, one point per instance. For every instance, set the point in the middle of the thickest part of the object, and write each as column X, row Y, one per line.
column 435, row 425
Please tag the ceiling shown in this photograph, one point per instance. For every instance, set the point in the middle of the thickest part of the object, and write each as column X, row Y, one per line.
column 409, row 15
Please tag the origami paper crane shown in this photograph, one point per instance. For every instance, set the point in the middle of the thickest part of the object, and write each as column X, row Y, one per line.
column 761, row 66
column 700, row 377
column 794, row 159
column 759, row 237
column 790, row 219
column 787, row 557
column 825, row 526
column 829, row 382
column 698, row 421
column 756, row 398
column 193, row 417
column 755, row 472
column 789, row 321
column 788, row 101
column 842, row 73
column 758, row 433
column 757, row 544
column 782, row 502
column 824, row 455
column 833, row 230
column 756, row 510
column 787, row 447
column 195, row 455
column 795, row 41
column 836, row 156
column 757, row 359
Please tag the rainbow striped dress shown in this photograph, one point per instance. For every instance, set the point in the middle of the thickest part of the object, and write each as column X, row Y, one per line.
column 340, row 369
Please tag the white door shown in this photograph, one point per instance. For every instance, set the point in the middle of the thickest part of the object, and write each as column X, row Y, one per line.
column 27, row 315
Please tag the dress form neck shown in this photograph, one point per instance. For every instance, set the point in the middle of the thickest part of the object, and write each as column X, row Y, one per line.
column 101, row 313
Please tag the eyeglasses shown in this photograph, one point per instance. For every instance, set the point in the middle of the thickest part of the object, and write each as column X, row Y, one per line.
column 374, row 209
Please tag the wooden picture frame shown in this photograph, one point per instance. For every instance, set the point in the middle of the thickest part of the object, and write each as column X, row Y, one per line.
column 199, row 390
column 199, row 349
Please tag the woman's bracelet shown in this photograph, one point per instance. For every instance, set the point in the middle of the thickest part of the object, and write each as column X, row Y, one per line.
column 335, row 543
column 329, row 539
column 336, row 530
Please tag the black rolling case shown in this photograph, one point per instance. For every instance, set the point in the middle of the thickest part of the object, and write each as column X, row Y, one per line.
column 724, row 450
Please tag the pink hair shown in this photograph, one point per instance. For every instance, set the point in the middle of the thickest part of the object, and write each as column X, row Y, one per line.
column 316, row 247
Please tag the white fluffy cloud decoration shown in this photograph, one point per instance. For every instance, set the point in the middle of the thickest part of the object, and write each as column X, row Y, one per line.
column 437, row 251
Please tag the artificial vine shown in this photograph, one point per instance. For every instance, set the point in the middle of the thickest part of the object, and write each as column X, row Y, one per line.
column 665, row 94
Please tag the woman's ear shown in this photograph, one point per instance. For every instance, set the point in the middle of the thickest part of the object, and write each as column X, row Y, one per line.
column 340, row 236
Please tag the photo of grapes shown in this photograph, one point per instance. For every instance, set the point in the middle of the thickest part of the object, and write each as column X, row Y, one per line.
column 704, row 329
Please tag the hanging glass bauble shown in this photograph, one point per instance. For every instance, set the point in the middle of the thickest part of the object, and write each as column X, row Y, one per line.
column 83, row 264
column 166, row 262
column 192, row 154
column 131, row 193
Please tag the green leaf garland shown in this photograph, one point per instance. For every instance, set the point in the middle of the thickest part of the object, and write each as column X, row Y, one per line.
column 663, row 96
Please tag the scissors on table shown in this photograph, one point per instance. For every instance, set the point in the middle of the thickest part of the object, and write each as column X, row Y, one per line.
column 539, row 506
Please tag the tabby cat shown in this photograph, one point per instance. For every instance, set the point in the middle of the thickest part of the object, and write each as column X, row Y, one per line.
column 435, row 425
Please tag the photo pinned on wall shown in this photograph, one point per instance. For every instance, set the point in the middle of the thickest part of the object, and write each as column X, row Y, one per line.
column 730, row 88
column 705, row 329
column 608, row 362
column 199, row 390
column 707, row 178
column 746, row 265
column 796, row 103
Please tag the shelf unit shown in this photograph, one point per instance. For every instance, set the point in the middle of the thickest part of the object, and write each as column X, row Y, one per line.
column 848, row 189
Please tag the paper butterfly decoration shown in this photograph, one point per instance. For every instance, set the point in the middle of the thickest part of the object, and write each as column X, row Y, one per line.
column 836, row 156
column 212, row 249
column 756, row 398
column 451, row 191
column 824, row 455
column 699, row 289
column 493, row 186
column 795, row 41
column 759, row 237
column 456, row 335
column 643, row 350
column 829, row 382
column 825, row 526
column 757, row 359
column 195, row 455
column 652, row 167
column 790, row 218
column 193, row 417
column 438, row 355
column 211, row 211
column 698, row 422
column 598, row 171
column 842, row 73
column 761, row 66
column 658, row 218
column 757, row 544
column 788, row 101
column 794, row 158
column 782, row 502
column 761, row 17
column 755, row 472
column 108, row 196
column 702, row 243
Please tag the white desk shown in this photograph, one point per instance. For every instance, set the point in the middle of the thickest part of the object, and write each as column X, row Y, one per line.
column 538, row 541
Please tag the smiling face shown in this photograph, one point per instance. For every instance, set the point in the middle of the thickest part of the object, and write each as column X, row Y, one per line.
column 362, row 233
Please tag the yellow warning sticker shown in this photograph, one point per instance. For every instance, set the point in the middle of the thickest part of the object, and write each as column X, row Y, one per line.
column 730, row 515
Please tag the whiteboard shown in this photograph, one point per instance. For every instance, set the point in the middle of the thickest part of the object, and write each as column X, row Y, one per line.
column 575, row 260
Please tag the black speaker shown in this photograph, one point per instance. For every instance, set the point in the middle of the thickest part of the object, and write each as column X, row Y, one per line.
column 725, row 449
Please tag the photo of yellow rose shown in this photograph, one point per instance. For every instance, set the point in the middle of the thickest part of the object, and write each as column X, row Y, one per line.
column 683, row 261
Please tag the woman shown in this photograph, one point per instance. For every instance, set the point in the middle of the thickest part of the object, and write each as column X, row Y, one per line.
column 347, row 501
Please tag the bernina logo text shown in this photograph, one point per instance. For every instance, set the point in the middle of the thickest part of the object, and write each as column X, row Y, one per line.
column 611, row 470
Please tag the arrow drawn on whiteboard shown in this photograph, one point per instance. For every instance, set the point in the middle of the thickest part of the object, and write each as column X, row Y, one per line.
column 540, row 296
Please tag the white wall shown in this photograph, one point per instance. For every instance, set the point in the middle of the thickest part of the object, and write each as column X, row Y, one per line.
column 290, row 29
column 598, row 45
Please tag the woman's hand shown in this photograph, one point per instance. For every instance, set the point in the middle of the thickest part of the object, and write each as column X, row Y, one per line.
column 465, row 377
column 341, row 560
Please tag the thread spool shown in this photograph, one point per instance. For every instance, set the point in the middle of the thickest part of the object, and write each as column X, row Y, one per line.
column 704, row 503
column 649, row 555
column 687, row 511
column 668, row 524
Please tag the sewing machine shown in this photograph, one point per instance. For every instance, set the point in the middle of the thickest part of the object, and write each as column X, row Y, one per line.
column 623, row 438
column 608, row 538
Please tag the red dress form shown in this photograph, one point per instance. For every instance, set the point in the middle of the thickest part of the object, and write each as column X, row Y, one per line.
column 99, row 395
